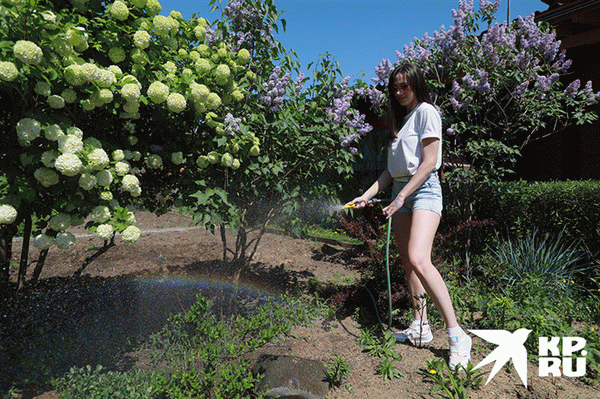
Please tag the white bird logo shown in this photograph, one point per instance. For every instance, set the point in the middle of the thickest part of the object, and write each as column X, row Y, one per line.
column 510, row 346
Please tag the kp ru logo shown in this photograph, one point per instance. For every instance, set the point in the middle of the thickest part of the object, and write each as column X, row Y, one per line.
column 512, row 346
column 551, row 359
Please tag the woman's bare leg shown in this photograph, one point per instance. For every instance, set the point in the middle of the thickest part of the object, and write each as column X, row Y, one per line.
column 414, row 234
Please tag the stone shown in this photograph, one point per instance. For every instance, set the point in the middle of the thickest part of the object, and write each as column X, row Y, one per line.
column 291, row 377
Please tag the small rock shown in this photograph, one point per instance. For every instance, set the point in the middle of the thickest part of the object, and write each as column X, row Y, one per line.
column 290, row 377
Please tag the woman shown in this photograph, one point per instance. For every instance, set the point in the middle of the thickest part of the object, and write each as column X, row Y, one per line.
column 414, row 156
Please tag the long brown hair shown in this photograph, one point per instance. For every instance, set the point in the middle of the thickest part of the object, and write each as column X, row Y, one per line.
column 416, row 80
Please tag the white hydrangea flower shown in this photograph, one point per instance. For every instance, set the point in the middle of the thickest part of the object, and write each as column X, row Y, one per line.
column 60, row 222
column 131, row 92
column 49, row 157
column 68, row 164
column 118, row 155
column 131, row 107
column 200, row 32
column 104, row 178
column 28, row 52
column 130, row 182
column 75, row 131
column 176, row 102
column 198, row 92
column 105, row 231
column 115, row 70
column 117, row 54
column 139, row 56
column 74, row 75
column 70, row 144
column 153, row 7
column 46, row 177
column 98, row 159
column 53, row 132
column 202, row 66
column 177, row 158
column 91, row 71
column 87, row 104
column 77, row 36
column 62, row 46
column 158, row 92
column 87, row 181
column 106, row 78
column 8, row 71
column 28, row 129
column 155, row 161
column 43, row 242
column 119, row 10
column 64, row 240
column 141, row 39
column 170, row 67
column 100, row 214
column 69, row 95
column 8, row 214
column 43, row 88
column 243, row 56
column 106, row 195
column 222, row 73
column 130, row 234
column 122, row 167
column 164, row 26
column 55, row 101
column 213, row 101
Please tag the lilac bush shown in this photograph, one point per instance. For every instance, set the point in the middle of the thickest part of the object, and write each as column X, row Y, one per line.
column 498, row 90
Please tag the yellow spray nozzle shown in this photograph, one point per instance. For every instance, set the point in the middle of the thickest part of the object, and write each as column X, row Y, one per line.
column 349, row 206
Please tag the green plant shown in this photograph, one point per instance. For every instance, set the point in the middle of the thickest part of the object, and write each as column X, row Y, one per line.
column 548, row 258
column 451, row 384
column 382, row 347
column 337, row 370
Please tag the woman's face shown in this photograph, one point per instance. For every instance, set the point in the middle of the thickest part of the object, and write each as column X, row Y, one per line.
column 404, row 93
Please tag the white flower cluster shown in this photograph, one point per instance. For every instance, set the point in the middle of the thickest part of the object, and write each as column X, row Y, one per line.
column 131, row 184
column 59, row 222
column 158, row 92
column 8, row 214
column 176, row 102
column 28, row 52
column 164, row 26
column 130, row 234
column 142, row 39
column 119, row 11
column 105, row 231
column 8, row 71
column 28, row 130
column 100, row 214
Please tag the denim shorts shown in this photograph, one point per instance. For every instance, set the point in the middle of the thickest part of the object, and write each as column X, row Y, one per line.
column 428, row 196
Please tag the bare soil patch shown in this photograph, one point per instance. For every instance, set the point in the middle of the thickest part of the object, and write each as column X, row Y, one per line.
column 171, row 246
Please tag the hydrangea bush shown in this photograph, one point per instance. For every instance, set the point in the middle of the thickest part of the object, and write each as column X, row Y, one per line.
column 111, row 103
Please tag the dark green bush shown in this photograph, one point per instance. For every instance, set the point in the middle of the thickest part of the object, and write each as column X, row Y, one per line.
column 550, row 207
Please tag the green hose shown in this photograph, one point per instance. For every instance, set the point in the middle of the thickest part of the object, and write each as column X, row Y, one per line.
column 387, row 269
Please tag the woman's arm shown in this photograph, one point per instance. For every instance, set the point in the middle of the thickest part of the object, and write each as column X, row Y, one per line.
column 430, row 154
column 382, row 182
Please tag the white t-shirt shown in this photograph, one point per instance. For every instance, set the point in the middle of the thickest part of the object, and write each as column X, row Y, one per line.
column 406, row 152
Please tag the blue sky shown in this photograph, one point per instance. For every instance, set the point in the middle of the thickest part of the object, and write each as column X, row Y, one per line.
column 358, row 33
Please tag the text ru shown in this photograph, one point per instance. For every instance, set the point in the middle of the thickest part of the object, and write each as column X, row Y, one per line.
column 551, row 359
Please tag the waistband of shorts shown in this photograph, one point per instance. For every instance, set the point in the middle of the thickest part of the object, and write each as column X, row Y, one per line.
column 402, row 179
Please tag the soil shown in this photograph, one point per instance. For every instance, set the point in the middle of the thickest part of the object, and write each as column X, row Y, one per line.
column 171, row 247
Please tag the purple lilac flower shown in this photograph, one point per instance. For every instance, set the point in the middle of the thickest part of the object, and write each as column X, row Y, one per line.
column 299, row 83
column 383, row 71
column 275, row 89
column 521, row 89
column 231, row 124
column 450, row 131
column 573, row 88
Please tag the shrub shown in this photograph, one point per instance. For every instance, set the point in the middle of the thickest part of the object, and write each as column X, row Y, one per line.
column 519, row 207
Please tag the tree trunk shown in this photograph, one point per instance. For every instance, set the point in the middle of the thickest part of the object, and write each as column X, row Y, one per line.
column 7, row 232
column 22, row 276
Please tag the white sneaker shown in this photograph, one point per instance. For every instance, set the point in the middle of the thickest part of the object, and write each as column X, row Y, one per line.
column 460, row 352
column 418, row 333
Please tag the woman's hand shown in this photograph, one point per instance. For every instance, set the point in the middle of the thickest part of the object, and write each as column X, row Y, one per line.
column 393, row 207
column 358, row 202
